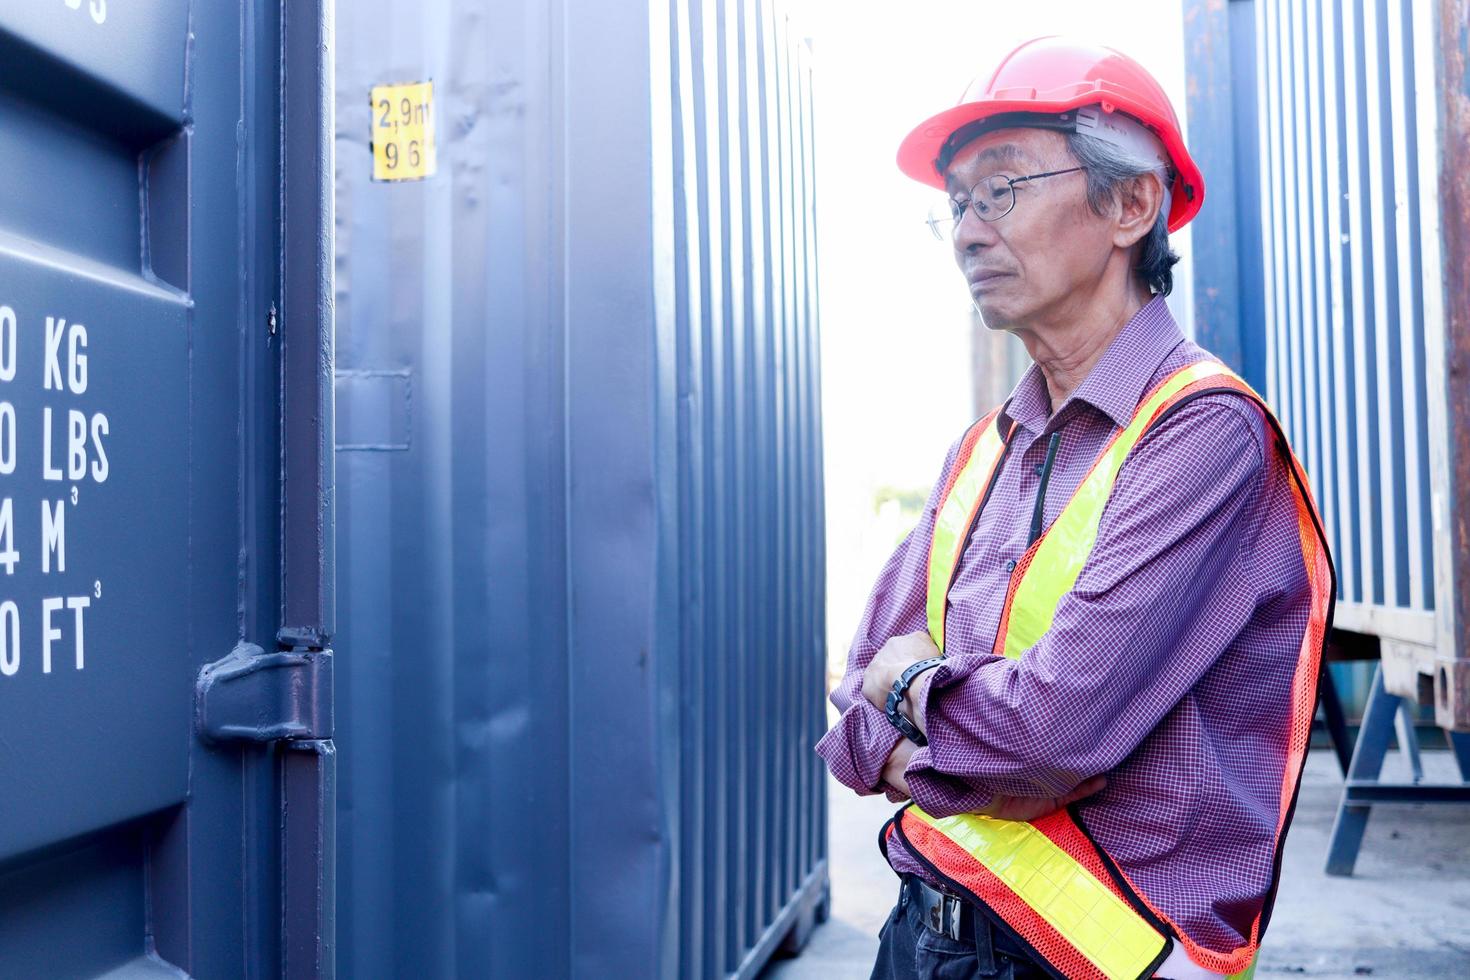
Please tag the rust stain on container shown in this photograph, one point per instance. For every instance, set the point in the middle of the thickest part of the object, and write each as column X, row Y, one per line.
column 1454, row 183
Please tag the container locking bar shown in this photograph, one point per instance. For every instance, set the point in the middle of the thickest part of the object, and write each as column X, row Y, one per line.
column 254, row 696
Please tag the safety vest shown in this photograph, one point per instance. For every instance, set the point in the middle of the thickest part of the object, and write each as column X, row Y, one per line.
column 1046, row 881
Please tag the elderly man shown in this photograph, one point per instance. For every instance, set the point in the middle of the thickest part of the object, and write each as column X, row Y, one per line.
column 1092, row 667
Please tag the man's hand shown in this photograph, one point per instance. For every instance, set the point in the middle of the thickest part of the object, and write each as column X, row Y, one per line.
column 1033, row 808
column 898, row 761
column 1001, row 807
column 891, row 661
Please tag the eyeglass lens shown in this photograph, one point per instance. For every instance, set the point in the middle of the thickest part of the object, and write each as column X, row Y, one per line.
column 990, row 199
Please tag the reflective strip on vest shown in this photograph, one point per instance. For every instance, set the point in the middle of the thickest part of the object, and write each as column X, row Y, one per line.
column 1109, row 934
column 1050, row 567
column 1046, row 879
column 974, row 468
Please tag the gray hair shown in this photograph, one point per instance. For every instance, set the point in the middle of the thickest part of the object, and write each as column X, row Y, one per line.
column 1108, row 166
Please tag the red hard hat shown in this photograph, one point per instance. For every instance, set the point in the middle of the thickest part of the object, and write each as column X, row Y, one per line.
column 1054, row 75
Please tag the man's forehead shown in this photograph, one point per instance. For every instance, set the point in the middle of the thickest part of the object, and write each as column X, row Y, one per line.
column 1002, row 149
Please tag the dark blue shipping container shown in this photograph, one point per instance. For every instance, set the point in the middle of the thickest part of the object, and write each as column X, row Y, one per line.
column 1330, row 269
column 165, row 489
column 575, row 411
column 580, row 665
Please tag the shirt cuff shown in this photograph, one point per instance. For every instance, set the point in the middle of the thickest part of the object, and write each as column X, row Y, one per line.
column 858, row 746
column 917, row 697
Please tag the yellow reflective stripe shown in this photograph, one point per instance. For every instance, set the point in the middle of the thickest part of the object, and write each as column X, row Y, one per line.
column 1104, row 928
column 1060, row 555
column 952, row 523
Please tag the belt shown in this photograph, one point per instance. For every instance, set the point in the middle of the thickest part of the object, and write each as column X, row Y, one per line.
column 948, row 915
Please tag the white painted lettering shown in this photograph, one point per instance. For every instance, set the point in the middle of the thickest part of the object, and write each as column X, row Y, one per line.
column 8, row 555
column 76, row 445
column 99, row 465
column 55, row 326
column 7, row 438
column 49, row 633
column 79, row 603
column 7, row 344
column 9, row 638
column 47, row 470
column 53, row 535
column 76, row 360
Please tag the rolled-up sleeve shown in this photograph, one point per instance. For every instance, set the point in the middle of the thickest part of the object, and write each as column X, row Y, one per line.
column 1165, row 590
column 858, row 745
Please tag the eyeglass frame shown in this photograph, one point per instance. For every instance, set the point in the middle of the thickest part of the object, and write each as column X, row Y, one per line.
column 957, row 211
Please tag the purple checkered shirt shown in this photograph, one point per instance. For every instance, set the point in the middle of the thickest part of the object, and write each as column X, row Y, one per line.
column 1168, row 666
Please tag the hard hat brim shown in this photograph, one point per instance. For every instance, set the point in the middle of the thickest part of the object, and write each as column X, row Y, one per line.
column 920, row 149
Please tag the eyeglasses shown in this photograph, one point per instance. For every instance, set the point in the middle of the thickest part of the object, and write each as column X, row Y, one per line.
column 991, row 199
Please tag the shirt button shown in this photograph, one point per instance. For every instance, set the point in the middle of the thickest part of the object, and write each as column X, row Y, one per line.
column 1011, row 565
column 1039, row 468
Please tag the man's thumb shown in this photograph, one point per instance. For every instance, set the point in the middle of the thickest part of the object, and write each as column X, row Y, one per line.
column 1089, row 787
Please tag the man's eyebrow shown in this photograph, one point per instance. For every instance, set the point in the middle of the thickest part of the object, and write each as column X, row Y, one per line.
column 1000, row 155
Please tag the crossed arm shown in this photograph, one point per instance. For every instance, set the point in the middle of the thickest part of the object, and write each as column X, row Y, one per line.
column 878, row 677
column 1164, row 591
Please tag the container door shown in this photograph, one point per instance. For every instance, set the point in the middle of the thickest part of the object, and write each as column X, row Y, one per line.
column 142, row 364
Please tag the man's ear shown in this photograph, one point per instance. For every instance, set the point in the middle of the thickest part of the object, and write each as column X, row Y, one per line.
column 1139, row 202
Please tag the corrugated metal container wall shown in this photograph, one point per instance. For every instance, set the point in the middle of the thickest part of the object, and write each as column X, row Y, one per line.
column 1347, row 169
column 1319, row 128
column 739, row 312
column 580, row 523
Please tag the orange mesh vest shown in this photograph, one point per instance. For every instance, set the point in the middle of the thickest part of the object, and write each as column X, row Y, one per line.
column 1045, row 881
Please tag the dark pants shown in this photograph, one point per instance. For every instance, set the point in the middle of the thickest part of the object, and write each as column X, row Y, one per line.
column 910, row 950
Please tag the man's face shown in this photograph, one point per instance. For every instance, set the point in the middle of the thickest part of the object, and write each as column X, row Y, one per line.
column 1024, row 268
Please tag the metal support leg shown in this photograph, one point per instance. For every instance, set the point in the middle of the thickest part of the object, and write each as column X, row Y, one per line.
column 1460, row 745
column 1409, row 739
column 1367, row 763
column 1364, row 789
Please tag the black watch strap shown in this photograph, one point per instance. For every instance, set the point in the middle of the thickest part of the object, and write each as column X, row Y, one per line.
column 895, row 698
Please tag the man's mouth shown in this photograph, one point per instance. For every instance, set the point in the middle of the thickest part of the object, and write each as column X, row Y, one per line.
column 985, row 277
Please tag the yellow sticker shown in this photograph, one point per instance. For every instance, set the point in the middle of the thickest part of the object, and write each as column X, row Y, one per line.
column 403, row 131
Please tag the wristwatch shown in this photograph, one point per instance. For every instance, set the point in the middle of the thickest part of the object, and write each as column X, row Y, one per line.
column 895, row 698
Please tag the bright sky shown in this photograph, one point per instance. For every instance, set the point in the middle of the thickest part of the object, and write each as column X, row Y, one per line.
column 895, row 348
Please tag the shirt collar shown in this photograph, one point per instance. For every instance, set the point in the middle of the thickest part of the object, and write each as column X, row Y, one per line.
column 1117, row 382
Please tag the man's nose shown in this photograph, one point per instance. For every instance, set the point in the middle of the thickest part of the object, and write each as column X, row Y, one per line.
column 972, row 234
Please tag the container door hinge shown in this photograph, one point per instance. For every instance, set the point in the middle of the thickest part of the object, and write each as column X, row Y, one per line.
column 254, row 696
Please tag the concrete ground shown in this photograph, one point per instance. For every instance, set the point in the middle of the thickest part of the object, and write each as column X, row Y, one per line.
column 1405, row 914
